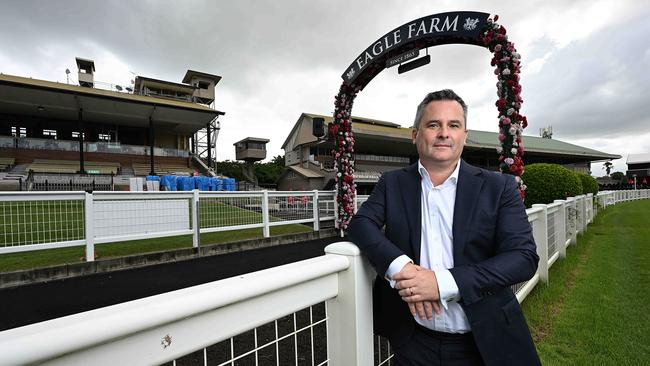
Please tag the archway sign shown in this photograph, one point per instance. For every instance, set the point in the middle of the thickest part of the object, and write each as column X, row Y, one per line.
column 404, row 43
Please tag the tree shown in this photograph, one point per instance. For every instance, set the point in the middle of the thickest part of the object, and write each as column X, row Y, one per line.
column 608, row 166
column 617, row 176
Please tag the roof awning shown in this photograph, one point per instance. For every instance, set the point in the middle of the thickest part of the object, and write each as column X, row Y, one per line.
column 38, row 98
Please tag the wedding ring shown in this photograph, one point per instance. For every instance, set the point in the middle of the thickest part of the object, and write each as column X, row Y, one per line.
column 411, row 289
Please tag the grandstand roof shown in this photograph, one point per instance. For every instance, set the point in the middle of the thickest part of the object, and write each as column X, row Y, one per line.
column 27, row 96
column 638, row 158
column 373, row 132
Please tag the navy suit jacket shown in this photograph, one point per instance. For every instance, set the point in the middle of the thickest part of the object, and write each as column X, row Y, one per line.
column 493, row 249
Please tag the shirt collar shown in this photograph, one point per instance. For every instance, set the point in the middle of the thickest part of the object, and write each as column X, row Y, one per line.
column 453, row 178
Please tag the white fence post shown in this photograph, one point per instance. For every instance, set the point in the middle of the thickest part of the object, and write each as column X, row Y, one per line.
column 590, row 208
column 315, row 211
column 349, row 328
column 583, row 213
column 560, row 228
column 196, row 226
column 540, row 233
column 266, row 230
column 90, row 224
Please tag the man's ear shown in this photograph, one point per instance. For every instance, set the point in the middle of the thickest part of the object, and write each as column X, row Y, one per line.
column 414, row 134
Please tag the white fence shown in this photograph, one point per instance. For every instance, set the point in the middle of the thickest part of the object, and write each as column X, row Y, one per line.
column 46, row 220
column 206, row 322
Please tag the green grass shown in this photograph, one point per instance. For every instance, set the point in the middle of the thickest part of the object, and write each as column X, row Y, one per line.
column 34, row 222
column 51, row 257
column 596, row 308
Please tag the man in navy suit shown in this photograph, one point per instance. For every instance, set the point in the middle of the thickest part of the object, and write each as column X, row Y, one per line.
column 447, row 240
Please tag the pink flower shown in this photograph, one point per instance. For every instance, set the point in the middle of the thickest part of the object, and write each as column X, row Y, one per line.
column 497, row 48
column 502, row 137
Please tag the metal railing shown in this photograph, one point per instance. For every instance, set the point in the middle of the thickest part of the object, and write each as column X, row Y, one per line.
column 279, row 310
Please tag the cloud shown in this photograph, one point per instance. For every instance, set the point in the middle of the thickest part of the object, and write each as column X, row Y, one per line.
column 584, row 61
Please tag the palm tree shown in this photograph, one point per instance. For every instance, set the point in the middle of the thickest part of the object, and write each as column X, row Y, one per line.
column 608, row 167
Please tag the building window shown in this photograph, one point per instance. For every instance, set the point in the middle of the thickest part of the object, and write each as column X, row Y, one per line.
column 204, row 84
column 49, row 133
column 104, row 137
column 18, row 131
column 75, row 135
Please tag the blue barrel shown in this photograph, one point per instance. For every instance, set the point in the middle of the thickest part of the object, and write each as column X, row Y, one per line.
column 168, row 182
column 229, row 184
column 185, row 183
column 152, row 178
column 203, row 183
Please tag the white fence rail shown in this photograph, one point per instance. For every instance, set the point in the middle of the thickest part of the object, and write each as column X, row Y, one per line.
column 202, row 320
column 46, row 220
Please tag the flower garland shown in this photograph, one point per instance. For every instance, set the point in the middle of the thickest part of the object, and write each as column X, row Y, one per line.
column 506, row 61
column 340, row 132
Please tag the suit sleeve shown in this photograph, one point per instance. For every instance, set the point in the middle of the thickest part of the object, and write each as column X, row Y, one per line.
column 515, row 259
column 365, row 230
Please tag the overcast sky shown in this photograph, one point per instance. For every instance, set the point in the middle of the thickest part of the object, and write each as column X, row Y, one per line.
column 585, row 64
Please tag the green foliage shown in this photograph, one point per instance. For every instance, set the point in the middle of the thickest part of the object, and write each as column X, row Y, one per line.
column 548, row 182
column 618, row 176
column 267, row 173
column 232, row 169
column 589, row 184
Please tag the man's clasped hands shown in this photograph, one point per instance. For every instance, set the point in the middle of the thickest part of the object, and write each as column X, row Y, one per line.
column 418, row 287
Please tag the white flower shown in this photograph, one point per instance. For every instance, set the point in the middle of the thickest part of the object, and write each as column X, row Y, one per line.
column 509, row 161
column 506, row 72
column 510, row 111
column 513, row 151
column 499, row 150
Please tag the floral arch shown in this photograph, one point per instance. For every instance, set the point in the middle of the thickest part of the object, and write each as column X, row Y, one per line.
column 400, row 45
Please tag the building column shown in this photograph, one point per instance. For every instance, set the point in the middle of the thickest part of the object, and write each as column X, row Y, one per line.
column 151, row 143
column 82, row 168
column 209, row 142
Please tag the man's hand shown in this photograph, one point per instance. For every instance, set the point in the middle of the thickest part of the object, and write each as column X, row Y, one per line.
column 419, row 288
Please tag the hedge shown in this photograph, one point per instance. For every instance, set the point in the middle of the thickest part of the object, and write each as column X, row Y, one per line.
column 548, row 182
column 589, row 184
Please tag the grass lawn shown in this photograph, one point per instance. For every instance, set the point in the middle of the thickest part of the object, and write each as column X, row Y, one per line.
column 51, row 221
column 42, row 258
column 596, row 308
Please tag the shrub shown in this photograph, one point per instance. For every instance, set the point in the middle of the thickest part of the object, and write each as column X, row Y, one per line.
column 589, row 184
column 548, row 182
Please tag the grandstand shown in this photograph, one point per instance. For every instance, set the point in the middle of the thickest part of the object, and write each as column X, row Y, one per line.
column 54, row 134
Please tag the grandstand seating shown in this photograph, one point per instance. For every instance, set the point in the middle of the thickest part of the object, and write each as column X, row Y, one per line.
column 6, row 163
column 142, row 169
column 70, row 166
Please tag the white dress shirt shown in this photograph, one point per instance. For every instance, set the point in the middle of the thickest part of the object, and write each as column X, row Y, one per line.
column 436, row 251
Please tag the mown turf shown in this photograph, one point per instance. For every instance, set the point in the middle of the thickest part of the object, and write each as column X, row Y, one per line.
column 596, row 309
column 51, row 257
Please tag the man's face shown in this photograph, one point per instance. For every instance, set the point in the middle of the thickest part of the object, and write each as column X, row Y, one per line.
column 441, row 135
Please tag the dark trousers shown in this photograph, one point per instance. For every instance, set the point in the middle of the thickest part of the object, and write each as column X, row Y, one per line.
column 430, row 348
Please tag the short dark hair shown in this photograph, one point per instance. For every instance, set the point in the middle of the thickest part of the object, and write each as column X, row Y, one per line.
column 445, row 94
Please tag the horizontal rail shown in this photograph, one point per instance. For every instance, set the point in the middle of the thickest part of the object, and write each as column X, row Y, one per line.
column 160, row 328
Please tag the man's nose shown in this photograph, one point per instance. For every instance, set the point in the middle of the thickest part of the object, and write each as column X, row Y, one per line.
column 443, row 132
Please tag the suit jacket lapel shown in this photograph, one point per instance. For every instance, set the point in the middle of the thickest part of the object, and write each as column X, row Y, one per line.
column 411, row 191
column 468, row 189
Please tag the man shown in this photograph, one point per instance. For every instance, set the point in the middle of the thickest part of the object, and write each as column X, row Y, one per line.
column 454, row 238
